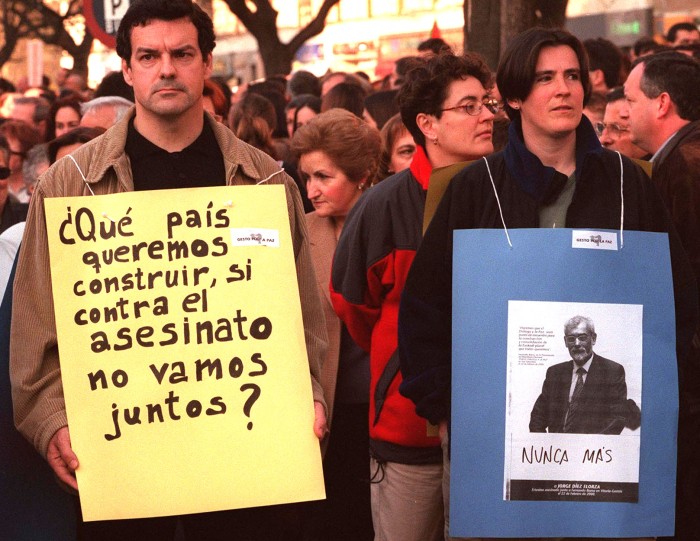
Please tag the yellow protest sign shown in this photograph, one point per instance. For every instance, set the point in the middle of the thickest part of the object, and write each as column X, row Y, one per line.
column 182, row 351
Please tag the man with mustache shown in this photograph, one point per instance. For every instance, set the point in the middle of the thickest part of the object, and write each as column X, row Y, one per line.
column 165, row 141
column 586, row 395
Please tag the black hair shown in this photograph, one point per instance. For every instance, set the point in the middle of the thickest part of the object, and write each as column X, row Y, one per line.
column 80, row 135
column 690, row 49
column 382, row 105
column 646, row 45
column 604, row 55
column 516, row 71
column 673, row 31
column 676, row 74
column 71, row 103
column 141, row 12
column 434, row 45
column 5, row 148
column 345, row 96
column 270, row 89
column 113, row 84
column 616, row 94
column 297, row 103
column 304, row 82
column 426, row 85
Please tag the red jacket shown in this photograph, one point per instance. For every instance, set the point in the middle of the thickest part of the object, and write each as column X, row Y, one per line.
column 375, row 251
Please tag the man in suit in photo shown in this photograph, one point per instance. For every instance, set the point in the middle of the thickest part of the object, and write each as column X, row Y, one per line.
column 586, row 395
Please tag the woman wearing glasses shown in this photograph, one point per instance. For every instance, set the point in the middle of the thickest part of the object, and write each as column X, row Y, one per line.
column 446, row 106
column 553, row 172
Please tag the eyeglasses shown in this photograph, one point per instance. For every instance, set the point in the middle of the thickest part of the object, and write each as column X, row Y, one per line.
column 571, row 339
column 613, row 129
column 473, row 108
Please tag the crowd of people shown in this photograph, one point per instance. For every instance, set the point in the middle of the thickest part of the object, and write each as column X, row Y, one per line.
column 548, row 137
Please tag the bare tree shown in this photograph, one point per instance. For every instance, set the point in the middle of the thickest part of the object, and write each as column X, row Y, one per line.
column 262, row 24
column 553, row 13
column 489, row 25
column 34, row 19
column 483, row 29
column 12, row 28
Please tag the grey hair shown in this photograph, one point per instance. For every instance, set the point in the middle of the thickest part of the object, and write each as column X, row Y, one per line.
column 36, row 156
column 576, row 321
column 120, row 105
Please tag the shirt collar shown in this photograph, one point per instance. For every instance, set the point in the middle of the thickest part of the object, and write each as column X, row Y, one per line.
column 586, row 366
column 661, row 148
column 421, row 167
column 138, row 147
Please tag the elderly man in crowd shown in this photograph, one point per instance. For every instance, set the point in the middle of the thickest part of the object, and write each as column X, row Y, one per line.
column 103, row 112
column 614, row 131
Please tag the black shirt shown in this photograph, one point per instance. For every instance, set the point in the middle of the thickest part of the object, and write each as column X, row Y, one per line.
column 198, row 165
column 12, row 213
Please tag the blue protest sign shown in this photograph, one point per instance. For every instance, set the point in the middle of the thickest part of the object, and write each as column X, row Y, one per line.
column 540, row 448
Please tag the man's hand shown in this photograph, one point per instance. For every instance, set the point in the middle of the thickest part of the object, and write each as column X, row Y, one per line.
column 62, row 459
column 320, row 425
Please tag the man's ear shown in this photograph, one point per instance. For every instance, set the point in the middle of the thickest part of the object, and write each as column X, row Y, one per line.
column 126, row 71
column 596, row 77
column 209, row 63
column 665, row 106
column 593, row 338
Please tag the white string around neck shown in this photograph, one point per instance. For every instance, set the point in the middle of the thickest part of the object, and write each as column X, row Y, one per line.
column 81, row 174
column 263, row 181
column 498, row 201
column 622, row 201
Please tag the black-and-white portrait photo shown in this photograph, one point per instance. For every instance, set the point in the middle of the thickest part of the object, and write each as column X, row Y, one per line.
column 573, row 401
column 586, row 394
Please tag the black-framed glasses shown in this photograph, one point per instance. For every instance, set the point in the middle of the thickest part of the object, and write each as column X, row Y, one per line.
column 571, row 339
column 616, row 130
column 473, row 108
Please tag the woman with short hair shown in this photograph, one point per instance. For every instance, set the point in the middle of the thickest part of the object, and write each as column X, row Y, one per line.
column 553, row 172
column 338, row 156
column 446, row 105
column 398, row 148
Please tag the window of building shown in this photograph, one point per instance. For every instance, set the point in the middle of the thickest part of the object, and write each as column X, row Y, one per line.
column 358, row 9
column 385, row 7
column 410, row 6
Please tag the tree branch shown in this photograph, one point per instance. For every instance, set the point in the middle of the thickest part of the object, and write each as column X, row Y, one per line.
column 240, row 10
column 315, row 27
